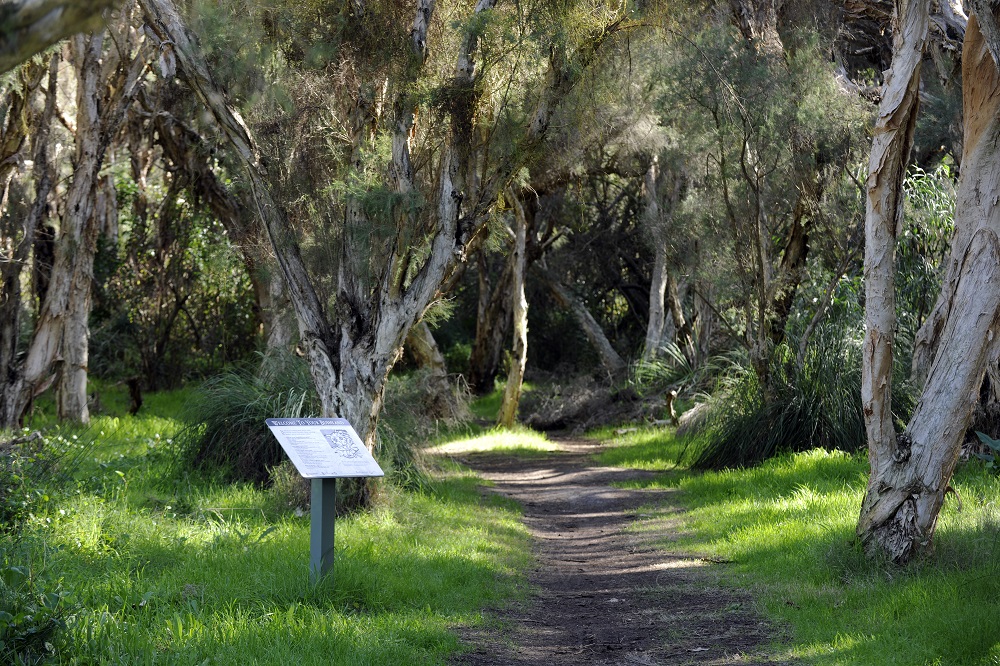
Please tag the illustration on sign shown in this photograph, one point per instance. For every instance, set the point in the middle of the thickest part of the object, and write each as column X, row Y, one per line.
column 324, row 448
column 343, row 445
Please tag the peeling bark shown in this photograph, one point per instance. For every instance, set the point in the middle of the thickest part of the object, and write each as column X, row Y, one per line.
column 890, row 152
column 16, row 258
column 909, row 480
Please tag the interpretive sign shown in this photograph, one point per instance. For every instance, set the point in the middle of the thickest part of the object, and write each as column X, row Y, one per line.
column 323, row 450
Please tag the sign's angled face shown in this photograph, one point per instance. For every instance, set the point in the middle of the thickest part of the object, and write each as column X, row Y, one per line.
column 324, row 448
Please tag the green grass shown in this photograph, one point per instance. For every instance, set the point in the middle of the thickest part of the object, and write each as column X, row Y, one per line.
column 163, row 567
column 786, row 531
column 487, row 407
column 518, row 442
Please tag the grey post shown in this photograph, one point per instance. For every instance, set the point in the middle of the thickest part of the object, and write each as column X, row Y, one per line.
column 324, row 506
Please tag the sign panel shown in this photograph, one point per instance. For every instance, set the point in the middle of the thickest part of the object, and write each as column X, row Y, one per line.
column 324, row 448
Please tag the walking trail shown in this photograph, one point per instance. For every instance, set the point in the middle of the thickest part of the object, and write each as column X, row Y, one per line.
column 606, row 595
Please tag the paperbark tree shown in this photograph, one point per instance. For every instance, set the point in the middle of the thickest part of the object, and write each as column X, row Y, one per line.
column 910, row 472
column 658, row 280
column 21, row 236
column 105, row 87
column 507, row 416
column 352, row 346
column 664, row 294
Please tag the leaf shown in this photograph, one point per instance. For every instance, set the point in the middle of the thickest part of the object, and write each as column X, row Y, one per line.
column 988, row 441
column 265, row 533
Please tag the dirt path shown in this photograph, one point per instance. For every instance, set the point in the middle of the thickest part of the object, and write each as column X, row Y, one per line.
column 606, row 595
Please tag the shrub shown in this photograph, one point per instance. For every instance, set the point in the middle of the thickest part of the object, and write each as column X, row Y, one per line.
column 815, row 405
column 23, row 465
column 226, row 429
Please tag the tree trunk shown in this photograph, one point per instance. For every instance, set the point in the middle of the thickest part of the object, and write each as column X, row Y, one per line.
column 30, row 26
column 507, row 416
column 900, row 509
column 612, row 363
column 492, row 325
column 793, row 265
column 351, row 353
column 61, row 332
column 424, row 348
column 189, row 152
column 658, row 281
column 11, row 379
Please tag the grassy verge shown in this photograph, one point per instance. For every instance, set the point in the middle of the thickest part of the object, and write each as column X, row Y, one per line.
column 785, row 531
column 136, row 562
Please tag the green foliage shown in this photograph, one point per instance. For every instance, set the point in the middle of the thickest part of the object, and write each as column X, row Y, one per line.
column 22, row 473
column 226, row 417
column 33, row 612
column 785, row 530
column 923, row 244
column 817, row 404
column 174, row 300
column 993, row 451
column 184, row 569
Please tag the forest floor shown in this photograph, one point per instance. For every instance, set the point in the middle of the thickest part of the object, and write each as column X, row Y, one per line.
column 606, row 594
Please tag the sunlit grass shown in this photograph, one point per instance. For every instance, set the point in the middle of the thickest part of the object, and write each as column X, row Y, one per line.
column 642, row 447
column 163, row 566
column 516, row 442
column 785, row 531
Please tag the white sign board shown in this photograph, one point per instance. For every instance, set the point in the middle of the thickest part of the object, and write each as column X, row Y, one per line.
column 324, row 448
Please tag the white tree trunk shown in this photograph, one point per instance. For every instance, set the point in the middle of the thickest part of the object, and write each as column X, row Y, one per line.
column 658, row 282
column 909, row 480
column 887, row 167
column 507, row 416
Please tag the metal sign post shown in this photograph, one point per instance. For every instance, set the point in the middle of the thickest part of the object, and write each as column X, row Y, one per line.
column 323, row 450
column 323, row 508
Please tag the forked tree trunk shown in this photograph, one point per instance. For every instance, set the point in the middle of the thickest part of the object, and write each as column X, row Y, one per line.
column 909, row 477
column 350, row 353
column 507, row 416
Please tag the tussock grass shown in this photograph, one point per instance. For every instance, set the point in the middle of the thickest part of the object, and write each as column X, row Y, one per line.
column 786, row 531
column 162, row 566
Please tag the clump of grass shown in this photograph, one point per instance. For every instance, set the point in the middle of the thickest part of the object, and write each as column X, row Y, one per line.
column 815, row 404
column 227, row 413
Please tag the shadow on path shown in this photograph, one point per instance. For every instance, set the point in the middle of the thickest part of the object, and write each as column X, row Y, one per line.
column 606, row 595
